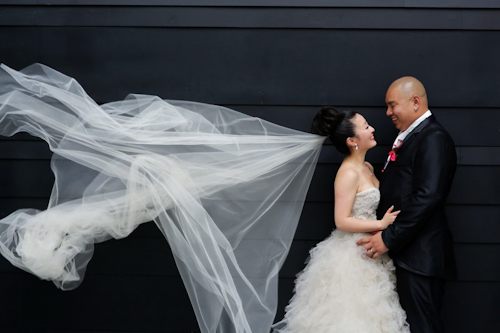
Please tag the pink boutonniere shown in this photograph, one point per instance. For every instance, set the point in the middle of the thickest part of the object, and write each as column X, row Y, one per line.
column 393, row 154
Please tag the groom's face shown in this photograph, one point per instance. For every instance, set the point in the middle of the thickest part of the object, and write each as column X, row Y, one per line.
column 399, row 108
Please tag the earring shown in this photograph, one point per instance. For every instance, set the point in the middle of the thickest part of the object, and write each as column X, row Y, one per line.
column 356, row 147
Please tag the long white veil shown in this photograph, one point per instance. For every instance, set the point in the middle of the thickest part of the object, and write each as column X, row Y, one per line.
column 225, row 189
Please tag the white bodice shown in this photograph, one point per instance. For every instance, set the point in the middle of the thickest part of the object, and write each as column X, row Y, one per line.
column 365, row 204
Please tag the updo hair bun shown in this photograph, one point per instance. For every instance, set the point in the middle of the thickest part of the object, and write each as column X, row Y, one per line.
column 326, row 120
column 337, row 125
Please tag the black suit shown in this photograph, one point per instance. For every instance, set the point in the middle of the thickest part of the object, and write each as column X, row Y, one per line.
column 420, row 242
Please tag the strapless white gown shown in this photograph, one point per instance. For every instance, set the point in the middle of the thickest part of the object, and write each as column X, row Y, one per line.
column 342, row 290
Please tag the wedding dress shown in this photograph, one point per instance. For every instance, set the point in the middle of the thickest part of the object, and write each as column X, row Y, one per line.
column 341, row 290
column 225, row 189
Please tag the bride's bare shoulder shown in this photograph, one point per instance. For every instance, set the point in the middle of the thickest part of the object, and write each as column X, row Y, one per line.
column 348, row 173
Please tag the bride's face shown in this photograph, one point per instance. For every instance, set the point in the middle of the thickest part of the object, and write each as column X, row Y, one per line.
column 364, row 133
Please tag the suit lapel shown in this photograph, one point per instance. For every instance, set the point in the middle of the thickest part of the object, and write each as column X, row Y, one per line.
column 407, row 140
column 417, row 130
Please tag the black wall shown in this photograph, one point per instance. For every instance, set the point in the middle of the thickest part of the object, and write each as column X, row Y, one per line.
column 278, row 60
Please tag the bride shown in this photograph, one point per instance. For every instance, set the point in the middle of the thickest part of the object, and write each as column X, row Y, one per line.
column 341, row 290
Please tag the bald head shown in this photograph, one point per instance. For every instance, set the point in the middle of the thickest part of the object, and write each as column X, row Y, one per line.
column 406, row 101
column 409, row 86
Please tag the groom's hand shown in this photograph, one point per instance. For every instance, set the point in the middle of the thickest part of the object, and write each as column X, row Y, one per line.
column 373, row 245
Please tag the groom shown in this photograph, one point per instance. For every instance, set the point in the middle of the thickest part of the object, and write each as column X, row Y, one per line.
column 416, row 179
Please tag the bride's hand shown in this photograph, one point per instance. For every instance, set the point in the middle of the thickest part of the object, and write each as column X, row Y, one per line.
column 389, row 217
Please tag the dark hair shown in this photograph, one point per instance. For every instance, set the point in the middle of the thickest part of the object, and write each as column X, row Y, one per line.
column 337, row 125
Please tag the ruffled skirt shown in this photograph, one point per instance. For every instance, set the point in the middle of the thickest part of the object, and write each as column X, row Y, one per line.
column 342, row 290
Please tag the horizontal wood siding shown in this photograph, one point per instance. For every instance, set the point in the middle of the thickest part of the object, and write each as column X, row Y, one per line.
column 278, row 60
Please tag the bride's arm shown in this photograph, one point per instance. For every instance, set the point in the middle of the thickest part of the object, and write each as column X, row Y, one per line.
column 346, row 187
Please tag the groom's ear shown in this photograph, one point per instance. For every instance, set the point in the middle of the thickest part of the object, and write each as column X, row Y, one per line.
column 415, row 100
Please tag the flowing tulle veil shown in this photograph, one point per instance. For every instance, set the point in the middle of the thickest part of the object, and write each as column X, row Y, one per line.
column 225, row 189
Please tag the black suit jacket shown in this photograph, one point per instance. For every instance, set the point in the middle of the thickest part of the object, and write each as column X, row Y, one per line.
column 418, row 183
